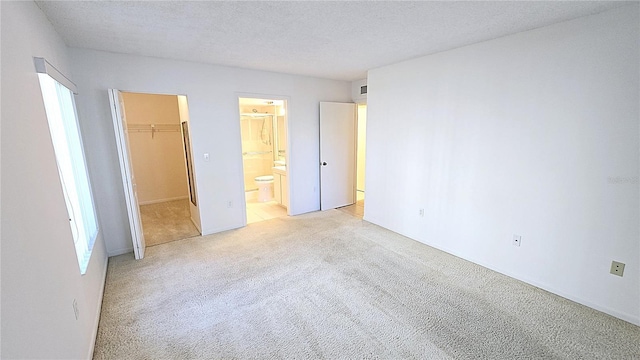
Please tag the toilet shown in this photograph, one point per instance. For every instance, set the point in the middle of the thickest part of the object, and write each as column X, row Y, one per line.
column 265, row 188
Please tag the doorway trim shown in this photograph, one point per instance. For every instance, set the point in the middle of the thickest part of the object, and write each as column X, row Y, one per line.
column 126, row 173
column 137, row 242
column 338, row 153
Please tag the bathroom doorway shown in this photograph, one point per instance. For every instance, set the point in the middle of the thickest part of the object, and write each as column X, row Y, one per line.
column 159, row 148
column 263, row 129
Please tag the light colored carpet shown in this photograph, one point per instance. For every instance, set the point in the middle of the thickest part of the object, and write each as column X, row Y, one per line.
column 167, row 221
column 329, row 285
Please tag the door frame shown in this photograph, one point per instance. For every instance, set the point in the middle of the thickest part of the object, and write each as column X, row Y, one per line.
column 287, row 102
column 184, row 116
column 126, row 173
column 358, row 146
column 121, row 147
column 354, row 148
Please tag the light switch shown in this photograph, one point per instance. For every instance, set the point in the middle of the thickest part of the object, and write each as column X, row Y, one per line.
column 206, row 156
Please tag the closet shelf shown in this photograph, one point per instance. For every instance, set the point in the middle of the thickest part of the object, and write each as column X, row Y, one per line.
column 153, row 128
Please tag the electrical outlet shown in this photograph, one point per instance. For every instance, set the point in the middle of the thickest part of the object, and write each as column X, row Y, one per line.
column 617, row 268
column 421, row 212
column 230, row 204
column 517, row 239
column 75, row 309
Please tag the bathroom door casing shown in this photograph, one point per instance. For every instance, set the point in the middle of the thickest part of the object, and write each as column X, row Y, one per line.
column 338, row 128
column 128, row 178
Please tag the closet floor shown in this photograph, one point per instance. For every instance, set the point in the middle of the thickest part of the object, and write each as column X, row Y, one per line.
column 167, row 221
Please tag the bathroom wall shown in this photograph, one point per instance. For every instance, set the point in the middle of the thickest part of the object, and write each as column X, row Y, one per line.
column 281, row 129
column 158, row 161
column 257, row 144
column 534, row 134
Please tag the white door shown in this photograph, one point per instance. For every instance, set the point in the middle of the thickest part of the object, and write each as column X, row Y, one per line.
column 128, row 178
column 337, row 154
column 183, row 111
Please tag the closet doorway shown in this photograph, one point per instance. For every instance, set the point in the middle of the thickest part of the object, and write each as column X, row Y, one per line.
column 156, row 128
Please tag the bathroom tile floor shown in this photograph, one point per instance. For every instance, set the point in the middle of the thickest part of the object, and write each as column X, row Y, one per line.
column 356, row 209
column 260, row 211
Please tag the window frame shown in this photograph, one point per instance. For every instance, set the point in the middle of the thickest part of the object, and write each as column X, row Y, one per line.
column 66, row 136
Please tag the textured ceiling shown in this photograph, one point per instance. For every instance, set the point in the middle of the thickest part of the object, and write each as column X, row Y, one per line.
column 336, row 40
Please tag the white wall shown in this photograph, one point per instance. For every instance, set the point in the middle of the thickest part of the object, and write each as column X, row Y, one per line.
column 212, row 93
column 533, row 134
column 40, row 273
column 356, row 96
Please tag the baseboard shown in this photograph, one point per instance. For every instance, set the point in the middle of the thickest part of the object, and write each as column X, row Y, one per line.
column 162, row 200
column 218, row 230
column 119, row 252
column 302, row 212
column 618, row 314
column 94, row 334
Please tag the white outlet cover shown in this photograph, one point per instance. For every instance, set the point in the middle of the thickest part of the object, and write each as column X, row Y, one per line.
column 617, row 268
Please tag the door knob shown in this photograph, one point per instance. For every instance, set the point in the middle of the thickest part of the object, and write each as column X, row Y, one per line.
column 324, row 163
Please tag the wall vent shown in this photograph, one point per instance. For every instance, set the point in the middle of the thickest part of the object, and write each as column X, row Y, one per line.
column 363, row 90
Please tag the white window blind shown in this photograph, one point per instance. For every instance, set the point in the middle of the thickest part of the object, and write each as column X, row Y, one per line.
column 72, row 168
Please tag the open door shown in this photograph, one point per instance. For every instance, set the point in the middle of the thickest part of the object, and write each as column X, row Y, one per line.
column 183, row 111
column 337, row 154
column 128, row 179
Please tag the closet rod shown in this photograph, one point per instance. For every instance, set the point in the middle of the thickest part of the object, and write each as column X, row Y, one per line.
column 256, row 152
column 153, row 128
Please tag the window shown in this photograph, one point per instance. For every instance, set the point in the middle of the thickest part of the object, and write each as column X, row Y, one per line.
column 65, row 135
